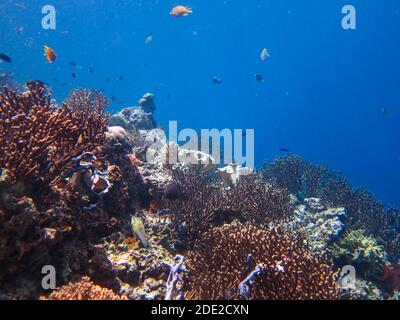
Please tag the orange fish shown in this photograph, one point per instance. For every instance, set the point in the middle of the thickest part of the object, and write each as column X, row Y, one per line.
column 49, row 54
column 181, row 11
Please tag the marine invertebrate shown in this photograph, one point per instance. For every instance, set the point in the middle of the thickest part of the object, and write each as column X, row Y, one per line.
column 84, row 289
column 87, row 101
column 242, row 261
column 201, row 201
column 362, row 251
column 258, row 201
column 198, row 201
column 175, row 280
column 286, row 172
column 37, row 139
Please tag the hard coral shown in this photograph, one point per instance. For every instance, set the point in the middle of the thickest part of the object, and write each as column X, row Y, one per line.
column 242, row 261
column 37, row 139
column 84, row 289
column 202, row 201
column 88, row 101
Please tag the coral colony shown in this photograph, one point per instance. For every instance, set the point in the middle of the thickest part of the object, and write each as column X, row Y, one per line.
column 78, row 193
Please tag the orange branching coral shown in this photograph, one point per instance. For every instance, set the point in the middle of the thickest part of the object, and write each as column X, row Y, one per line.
column 84, row 289
column 37, row 139
column 239, row 261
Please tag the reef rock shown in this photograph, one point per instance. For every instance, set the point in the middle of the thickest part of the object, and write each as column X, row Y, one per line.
column 136, row 118
column 323, row 225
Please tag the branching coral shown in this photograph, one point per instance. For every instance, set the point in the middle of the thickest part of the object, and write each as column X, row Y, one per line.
column 239, row 261
column 259, row 201
column 84, row 289
column 87, row 101
column 199, row 200
column 37, row 139
column 363, row 209
column 202, row 201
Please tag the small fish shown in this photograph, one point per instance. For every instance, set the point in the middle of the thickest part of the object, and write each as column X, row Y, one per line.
column 73, row 75
column 139, row 231
column 284, row 150
column 148, row 40
column 259, row 77
column 20, row 5
column 217, row 80
column 90, row 70
column 264, row 54
column 72, row 63
column 5, row 58
column 108, row 80
column 50, row 54
column 385, row 111
column 120, row 78
column 181, row 11
column 19, row 29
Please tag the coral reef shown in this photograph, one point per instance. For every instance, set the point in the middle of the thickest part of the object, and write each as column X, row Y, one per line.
column 123, row 213
column 84, row 289
column 363, row 210
column 38, row 140
column 246, row 262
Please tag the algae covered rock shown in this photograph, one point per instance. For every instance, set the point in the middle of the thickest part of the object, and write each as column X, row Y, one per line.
column 322, row 225
column 362, row 251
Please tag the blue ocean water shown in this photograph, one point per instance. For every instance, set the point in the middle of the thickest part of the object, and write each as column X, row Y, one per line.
column 324, row 87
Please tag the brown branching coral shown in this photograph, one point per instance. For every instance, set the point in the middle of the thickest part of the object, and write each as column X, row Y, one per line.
column 286, row 172
column 88, row 101
column 203, row 201
column 259, row 201
column 84, row 289
column 198, row 201
column 239, row 261
column 37, row 139
column 307, row 180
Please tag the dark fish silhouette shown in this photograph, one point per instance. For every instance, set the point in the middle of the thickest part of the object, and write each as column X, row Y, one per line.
column 90, row 70
column 217, row 80
column 259, row 77
column 108, row 80
column 385, row 110
column 73, row 75
column 72, row 63
column 284, row 150
column 5, row 58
